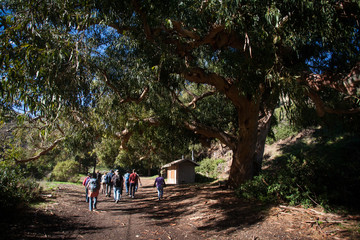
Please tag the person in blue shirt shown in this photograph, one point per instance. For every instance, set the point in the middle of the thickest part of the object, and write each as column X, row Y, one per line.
column 127, row 181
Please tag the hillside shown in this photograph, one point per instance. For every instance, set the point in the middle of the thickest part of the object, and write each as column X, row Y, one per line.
column 271, row 150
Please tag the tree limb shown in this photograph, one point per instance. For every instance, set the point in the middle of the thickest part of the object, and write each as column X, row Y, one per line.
column 198, row 98
column 136, row 100
column 208, row 132
column 226, row 86
column 217, row 37
column 184, row 32
column 347, row 85
column 115, row 89
column 125, row 137
column 142, row 15
column 48, row 149
column 126, row 134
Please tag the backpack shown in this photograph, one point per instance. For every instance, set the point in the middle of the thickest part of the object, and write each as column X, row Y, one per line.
column 93, row 185
column 117, row 181
column 108, row 178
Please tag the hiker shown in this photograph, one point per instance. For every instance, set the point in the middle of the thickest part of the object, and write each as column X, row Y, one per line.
column 103, row 183
column 85, row 182
column 108, row 182
column 133, row 182
column 93, row 187
column 139, row 181
column 118, row 182
column 98, row 175
column 159, row 184
column 127, row 182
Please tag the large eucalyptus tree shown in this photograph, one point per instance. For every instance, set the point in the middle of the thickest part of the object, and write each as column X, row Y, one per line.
column 215, row 67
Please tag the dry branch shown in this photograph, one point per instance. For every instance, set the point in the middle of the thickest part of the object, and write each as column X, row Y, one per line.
column 309, row 211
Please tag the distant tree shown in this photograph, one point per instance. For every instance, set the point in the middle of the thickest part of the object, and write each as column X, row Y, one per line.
column 216, row 68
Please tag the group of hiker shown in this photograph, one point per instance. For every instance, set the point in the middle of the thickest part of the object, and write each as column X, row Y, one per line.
column 112, row 180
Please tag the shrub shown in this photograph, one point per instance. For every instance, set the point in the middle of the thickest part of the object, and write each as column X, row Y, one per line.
column 200, row 178
column 282, row 127
column 209, row 167
column 15, row 187
column 66, row 171
column 325, row 173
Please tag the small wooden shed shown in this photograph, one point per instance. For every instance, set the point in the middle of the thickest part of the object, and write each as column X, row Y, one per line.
column 180, row 171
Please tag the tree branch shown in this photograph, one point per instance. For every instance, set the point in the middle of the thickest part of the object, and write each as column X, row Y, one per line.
column 347, row 85
column 115, row 89
column 126, row 134
column 208, row 132
column 217, row 37
column 48, row 149
column 136, row 100
column 226, row 86
column 76, row 116
column 142, row 15
column 184, row 32
column 198, row 98
column 321, row 109
column 125, row 137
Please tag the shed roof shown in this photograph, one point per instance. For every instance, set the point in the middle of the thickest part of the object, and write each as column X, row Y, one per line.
column 178, row 162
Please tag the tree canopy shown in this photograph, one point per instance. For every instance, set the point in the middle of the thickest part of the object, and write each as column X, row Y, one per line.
column 216, row 69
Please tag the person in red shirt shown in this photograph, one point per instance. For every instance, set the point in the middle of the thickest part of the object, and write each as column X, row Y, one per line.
column 134, row 178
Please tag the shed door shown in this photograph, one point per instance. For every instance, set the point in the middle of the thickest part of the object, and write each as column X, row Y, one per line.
column 172, row 176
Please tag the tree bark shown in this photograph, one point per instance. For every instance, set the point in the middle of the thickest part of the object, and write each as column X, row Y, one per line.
column 242, row 168
column 263, row 130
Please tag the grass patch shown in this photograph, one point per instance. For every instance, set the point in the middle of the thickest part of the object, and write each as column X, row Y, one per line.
column 52, row 185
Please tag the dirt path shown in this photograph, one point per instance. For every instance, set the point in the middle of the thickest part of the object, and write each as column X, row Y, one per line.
column 187, row 212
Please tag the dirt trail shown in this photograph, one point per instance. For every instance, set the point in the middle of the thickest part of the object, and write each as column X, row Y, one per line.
column 188, row 212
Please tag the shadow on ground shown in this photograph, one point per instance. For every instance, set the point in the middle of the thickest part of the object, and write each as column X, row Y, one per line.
column 206, row 206
column 30, row 223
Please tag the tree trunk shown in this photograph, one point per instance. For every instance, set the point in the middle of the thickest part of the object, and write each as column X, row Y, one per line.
column 95, row 160
column 242, row 168
column 263, row 130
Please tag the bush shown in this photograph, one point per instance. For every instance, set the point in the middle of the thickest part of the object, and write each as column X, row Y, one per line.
column 15, row 188
column 282, row 127
column 199, row 178
column 325, row 173
column 66, row 171
column 209, row 167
